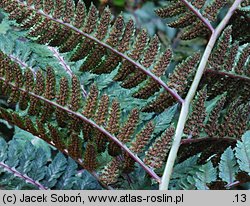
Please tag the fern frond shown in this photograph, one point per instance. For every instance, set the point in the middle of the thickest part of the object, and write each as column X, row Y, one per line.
column 222, row 127
column 142, row 139
column 129, row 164
column 195, row 122
column 136, row 53
column 150, row 87
column 62, row 99
column 227, row 68
column 80, row 14
column 110, row 173
column 211, row 11
column 102, row 45
column 47, row 106
column 228, row 166
column 212, row 125
column 183, row 173
column 195, row 17
column 90, row 162
column 232, row 53
column 129, row 127
column 171, row 10
column 237, row 112
column 69, row 11
column 244, row 57
column 56, row 137
column 39, row 89
column 206, row 174
column 183, row 72
column 229, row 61
column 102, row 110
column 75, row 146
column 50, row 87
column 149, row 57
column 48, row 6
column 26, row 166
column 81, row 128
column 240, row 23
column 179, row 81
column 100, row 118
column 218, row 56
column 101, row 33
column 89, row 110
column 113, row 121
column 243, row 153
column 157, row 153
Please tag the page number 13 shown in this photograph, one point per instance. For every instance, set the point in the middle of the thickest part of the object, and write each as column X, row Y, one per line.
column 240, row 198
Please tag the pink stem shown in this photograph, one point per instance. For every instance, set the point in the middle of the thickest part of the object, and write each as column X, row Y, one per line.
column 92, row 123
column 136, row 64
column 66, row 67
column 20, row 62
column 223, row 73
column 25, row 177
column 199, row 15
column 190, row 141
column 61, row 60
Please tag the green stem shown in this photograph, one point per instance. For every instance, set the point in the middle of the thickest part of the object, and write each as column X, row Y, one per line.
column 185, row 106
